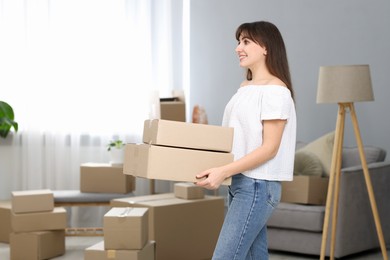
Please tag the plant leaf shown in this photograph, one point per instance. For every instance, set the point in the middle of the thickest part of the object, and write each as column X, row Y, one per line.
column 6, row 119
column 6, row 111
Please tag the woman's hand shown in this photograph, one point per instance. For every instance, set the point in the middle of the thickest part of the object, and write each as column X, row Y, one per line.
column 211, row 179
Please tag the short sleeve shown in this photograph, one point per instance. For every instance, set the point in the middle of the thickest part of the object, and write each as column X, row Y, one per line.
column 276, row 104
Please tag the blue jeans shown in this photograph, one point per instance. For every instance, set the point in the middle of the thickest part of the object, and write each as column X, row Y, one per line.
column 244, row 232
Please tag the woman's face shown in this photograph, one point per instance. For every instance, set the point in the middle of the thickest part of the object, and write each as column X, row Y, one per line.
column 249, row 52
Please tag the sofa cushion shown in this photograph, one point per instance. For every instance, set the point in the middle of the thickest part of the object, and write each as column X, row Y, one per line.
column 299, row 145
column 307, row 163
column 298, row 216
column 351, row 155
column 322, row 147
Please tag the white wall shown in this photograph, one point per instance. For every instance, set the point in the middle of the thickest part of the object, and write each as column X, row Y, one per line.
column 316, row 33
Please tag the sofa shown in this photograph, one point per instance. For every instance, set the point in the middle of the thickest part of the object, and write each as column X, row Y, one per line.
column 298, row 227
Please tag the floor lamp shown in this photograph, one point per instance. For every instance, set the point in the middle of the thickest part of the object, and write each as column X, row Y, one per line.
column 345, row 85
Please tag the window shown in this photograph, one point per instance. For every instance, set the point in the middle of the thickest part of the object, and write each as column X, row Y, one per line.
column 78, row 72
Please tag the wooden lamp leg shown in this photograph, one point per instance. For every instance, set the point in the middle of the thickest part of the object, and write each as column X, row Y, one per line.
column 335, row 158
column 336, row 194
column 368, row 182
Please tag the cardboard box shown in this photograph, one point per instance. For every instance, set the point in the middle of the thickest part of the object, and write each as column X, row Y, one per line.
column 105, row 178
column 188, row 190
column 182, row 229
column 173, row 109
column 38, row 221
column 125, row 228
column 168, row 163
column 306, row 190
column 37, row 245
column 97, row 252
column 188, row 135
column 32, row 201
column 5, row 221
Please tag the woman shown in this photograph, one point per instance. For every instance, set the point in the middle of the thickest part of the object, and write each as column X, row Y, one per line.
column 262, row 113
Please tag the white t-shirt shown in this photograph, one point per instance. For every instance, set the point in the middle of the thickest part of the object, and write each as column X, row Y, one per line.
column 245, row 112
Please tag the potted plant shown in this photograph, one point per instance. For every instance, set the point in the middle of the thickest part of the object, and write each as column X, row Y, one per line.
column 6, row 119
column 115, row 149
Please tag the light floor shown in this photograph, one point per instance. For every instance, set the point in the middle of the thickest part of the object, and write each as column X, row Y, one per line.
column 75, row 251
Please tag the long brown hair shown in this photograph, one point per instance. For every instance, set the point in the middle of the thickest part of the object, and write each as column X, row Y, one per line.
column 268, row 36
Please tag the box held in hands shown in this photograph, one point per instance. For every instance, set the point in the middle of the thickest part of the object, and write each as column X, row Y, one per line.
column 168, row 163
column 188, row 135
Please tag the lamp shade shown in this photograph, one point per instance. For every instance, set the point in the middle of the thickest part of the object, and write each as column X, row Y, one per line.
column 344, row 84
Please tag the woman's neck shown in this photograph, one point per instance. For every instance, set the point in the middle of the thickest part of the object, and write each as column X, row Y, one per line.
column 262, row 76
column 260, row 72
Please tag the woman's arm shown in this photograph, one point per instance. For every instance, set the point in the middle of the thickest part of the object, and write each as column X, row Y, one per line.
column 272, row 136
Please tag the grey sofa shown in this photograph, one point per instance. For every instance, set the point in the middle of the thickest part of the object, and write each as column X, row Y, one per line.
column 298, row 228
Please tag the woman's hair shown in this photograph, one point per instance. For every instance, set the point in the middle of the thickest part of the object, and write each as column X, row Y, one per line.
column 268, row 36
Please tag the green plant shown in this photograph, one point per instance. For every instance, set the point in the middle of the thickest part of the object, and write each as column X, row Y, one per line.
column 6, row 119
column 118, row 144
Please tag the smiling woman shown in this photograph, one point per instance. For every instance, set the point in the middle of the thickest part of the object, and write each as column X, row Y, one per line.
column 79, row 73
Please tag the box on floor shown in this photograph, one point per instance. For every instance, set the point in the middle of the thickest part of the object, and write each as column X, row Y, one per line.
column 187, row 190
column 169, row 163
column 37, row 245
column 5, row 221
column 105, row 178
column 37, row 221
column 173, row 109
column 182, row 229
column 29, row 201
column 305, row 190
column 97, row 252
column 125, row 228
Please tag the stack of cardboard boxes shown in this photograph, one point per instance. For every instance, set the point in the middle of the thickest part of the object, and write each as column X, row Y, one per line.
column 125, row 236
column 102, row 178
column 37, row 227
column 178, row 151
column 184, row 224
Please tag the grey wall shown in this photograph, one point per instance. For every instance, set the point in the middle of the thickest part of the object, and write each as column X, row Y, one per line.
column 316, row 33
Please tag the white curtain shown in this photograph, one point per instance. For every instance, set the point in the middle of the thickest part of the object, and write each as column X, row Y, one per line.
column 79, row 73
